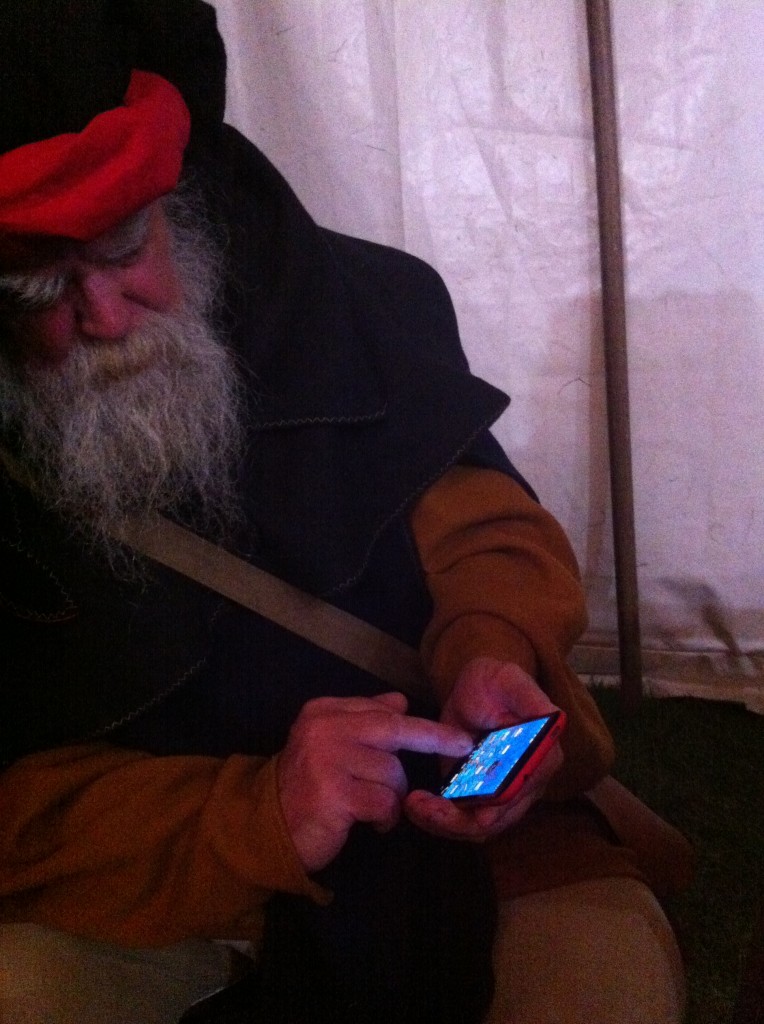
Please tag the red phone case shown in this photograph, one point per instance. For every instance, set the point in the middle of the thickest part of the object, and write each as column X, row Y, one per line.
column 538, row 750
column 537, row 756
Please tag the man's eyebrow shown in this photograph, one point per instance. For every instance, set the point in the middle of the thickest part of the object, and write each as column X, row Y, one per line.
column 32, row 291
column 124, row 241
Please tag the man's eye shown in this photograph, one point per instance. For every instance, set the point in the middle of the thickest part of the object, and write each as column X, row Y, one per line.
column 125, row 259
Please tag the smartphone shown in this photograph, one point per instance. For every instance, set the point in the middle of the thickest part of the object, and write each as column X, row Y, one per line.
column 500, row 763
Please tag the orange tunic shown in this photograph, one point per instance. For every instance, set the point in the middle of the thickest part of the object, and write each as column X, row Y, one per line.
column 505, row 583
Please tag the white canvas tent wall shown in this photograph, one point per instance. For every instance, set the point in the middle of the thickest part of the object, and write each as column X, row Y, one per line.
column 461, row 131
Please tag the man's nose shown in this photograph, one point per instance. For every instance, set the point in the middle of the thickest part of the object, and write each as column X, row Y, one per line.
column 104, row 309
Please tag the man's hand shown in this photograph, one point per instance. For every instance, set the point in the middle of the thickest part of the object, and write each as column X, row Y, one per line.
column 339, row 766
column 489, row 694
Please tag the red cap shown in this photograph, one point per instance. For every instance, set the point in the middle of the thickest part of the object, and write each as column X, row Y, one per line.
column 80, row 185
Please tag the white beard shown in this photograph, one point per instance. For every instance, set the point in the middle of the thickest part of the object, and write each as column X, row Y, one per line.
column 122, row 430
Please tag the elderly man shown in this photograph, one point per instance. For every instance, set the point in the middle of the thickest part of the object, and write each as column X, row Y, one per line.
column 188, row 788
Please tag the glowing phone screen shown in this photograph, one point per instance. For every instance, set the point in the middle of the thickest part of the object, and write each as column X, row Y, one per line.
column 484, row 771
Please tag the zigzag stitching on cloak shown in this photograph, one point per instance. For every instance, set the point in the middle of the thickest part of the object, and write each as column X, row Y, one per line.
column 324, row 420
column 132, row 715
column 155, row 701
column 70, row 606
column 29, row 614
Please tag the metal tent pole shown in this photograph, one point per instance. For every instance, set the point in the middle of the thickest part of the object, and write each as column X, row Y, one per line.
column 614, row 327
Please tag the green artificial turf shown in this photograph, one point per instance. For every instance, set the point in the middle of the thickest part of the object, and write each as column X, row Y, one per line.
column 700, row 764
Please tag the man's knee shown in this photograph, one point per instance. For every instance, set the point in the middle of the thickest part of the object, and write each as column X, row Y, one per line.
column 599, row 952
column 47, row 977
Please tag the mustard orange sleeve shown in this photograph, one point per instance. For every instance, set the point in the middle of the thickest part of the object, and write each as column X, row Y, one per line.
column 505, row 584
column 143, row 851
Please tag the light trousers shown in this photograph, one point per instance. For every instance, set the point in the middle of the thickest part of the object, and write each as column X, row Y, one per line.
column 599, row 952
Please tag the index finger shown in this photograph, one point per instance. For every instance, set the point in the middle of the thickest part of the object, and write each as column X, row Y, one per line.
column 398, row 732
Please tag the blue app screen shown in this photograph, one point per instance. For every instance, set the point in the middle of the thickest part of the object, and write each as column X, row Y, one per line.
column 489, row 763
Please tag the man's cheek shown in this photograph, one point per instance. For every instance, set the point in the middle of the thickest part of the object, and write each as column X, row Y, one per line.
column 46, row 337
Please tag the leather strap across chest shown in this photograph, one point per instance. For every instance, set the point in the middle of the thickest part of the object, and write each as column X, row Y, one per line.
column 311, row 618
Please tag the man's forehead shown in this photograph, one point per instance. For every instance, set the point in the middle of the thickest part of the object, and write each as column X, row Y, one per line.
column 27, row 253
column 30, row 253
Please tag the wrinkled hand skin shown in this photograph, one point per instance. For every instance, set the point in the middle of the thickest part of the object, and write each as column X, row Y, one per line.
column 340, row 766
column 489, row 694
